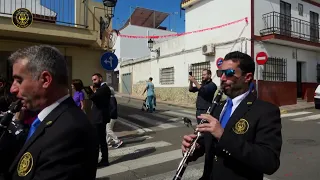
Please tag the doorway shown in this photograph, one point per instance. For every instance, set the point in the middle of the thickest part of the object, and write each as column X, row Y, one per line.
column 299, row 80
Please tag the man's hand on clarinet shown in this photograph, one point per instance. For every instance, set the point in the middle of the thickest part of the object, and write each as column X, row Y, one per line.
column 186, row 142
column 213, row 126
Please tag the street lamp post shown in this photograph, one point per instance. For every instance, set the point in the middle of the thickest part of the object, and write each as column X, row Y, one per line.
column 109, row 6
column 150, row 46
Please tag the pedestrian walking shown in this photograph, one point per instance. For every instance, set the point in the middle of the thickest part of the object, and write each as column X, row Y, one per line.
column 112, row 138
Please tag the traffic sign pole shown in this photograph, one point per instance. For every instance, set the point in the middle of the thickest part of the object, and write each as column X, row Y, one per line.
column 257, row 80
column 261, row 59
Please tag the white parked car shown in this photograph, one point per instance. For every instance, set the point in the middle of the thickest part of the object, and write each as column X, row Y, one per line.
column 317, row 97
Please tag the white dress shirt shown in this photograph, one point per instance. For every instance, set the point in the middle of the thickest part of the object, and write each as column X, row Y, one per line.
column 44, row 113
column 235, row 101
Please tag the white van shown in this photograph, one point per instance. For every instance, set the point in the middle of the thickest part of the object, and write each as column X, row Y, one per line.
column 317, row 98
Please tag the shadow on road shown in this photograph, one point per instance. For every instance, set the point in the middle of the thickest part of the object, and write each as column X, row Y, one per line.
column 125, row 112
column 138, row 154
column 133, row 138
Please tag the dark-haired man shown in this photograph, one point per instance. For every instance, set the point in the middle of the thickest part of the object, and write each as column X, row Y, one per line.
column 101, row 113
column 242, row 139
column 205, row 92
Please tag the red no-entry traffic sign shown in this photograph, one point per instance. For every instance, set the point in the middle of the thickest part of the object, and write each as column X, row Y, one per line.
column 261, row 58
column 219, row 62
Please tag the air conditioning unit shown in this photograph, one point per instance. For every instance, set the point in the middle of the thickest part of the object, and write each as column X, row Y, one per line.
column 208, row 50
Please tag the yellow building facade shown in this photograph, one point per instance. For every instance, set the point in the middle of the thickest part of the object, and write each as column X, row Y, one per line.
column 79, row 40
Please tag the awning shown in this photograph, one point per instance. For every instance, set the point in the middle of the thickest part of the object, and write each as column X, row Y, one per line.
column 146, row 18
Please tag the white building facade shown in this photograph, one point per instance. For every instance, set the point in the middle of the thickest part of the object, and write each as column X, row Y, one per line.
column 279, row 28
column 127, row 49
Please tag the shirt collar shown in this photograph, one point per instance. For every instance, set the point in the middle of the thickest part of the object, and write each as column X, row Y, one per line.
column 44, row 113
column 237, row 100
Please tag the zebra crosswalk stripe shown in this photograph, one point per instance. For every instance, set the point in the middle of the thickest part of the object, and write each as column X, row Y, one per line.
column 192, row 172
column 174, row 113
column 133, row 125
column 156, row 124
column 307, row 118
column 139, row 163
column 294, row 114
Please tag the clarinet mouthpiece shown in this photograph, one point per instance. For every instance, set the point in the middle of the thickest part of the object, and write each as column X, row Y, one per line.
column 15, row 106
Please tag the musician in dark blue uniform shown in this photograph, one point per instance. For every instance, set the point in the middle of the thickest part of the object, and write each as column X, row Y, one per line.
column 242, row 139
column 61, row 142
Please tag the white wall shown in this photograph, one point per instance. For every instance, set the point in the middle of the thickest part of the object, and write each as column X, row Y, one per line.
column 267, row 6
column 309, row 59
column 208, row 13
column 143, row 70
column 182, row 51
column 130, row 48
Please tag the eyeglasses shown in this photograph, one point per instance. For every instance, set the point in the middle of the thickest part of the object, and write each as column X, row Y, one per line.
column 227, row 72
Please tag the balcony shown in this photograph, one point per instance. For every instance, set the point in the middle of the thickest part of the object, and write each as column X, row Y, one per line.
column 69, row 22
column 287, row 28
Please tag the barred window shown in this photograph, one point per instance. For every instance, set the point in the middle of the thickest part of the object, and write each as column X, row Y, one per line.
column 275, row 69
column 167, row 75
column 197, row 69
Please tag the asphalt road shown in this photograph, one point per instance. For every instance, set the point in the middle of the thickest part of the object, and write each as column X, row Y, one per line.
column 151, row 149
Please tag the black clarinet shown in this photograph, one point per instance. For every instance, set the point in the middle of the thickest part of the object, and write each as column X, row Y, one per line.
column 185, row 160
column 7, row 118
column 12, row 136
column 8, row 115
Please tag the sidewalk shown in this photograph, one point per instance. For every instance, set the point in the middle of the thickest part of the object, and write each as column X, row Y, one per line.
column 301, row 105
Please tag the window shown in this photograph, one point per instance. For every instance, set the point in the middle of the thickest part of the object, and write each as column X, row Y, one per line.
column 275, row 69
column 167, row 75
column 300, row 9
column 197, row 69
column 314, row 26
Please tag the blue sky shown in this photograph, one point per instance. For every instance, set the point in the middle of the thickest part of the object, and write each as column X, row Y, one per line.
column 62, row 8
column 122, row 12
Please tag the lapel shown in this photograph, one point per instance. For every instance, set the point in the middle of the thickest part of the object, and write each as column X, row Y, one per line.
column 240, row 111
column 215, row 114
column 47, row 122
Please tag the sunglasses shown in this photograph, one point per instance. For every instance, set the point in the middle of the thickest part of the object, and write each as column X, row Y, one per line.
column 227, row 72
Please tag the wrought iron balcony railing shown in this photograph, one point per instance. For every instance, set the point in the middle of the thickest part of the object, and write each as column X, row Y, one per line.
column 276, row 23
column 64, row 12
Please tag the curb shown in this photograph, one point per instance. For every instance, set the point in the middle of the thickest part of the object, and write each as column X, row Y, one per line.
column 282, row 111
column 163, row 103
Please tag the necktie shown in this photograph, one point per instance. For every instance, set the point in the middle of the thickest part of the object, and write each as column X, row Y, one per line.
column 226, row 114
column 33, row 127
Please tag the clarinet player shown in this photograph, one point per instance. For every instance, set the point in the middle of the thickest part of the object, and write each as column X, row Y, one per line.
column 61, row 143
column 242, row 139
